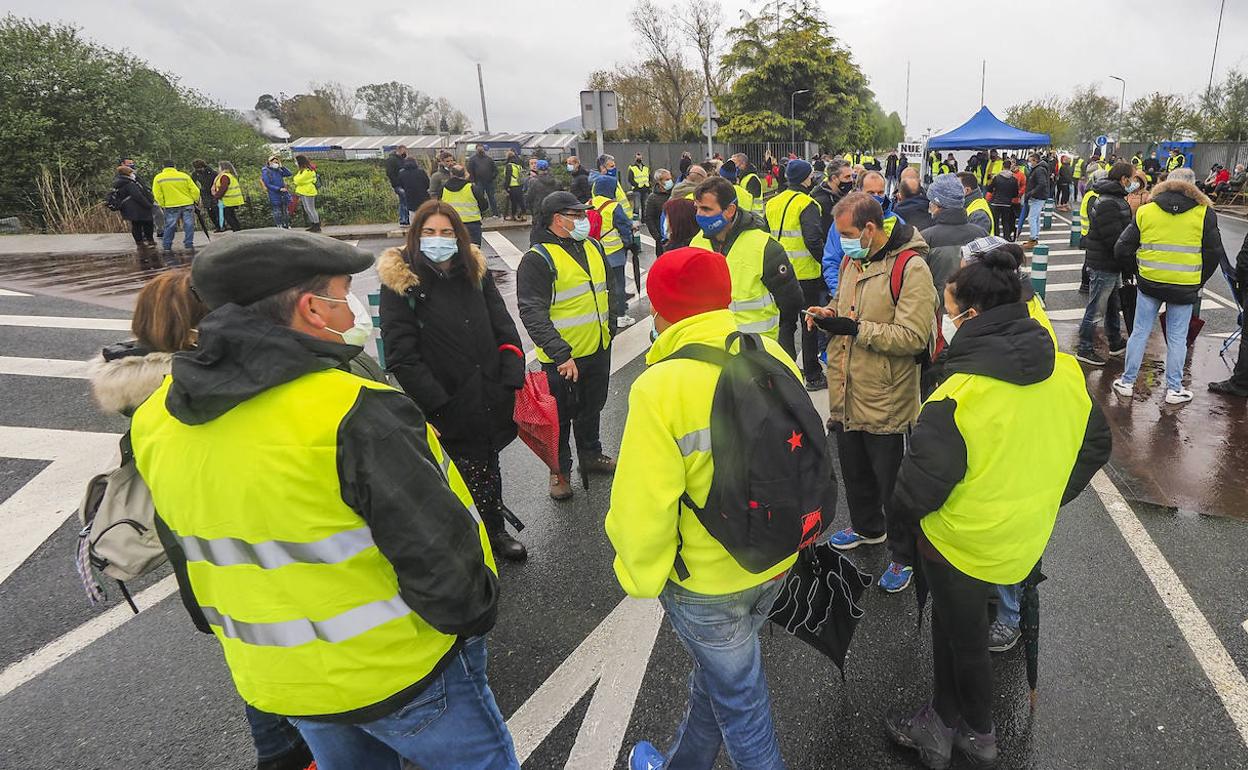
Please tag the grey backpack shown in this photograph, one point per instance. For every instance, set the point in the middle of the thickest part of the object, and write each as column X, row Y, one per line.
column 118, row 536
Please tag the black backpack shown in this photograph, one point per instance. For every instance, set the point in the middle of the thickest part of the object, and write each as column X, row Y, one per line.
column 114, row 200
column 773, row 479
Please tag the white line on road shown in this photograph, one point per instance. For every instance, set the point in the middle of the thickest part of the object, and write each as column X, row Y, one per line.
column 61, row 648
column 11, row 293
column 43, row 367
column 1227, row 680
column 63, row 322
column 505, row 249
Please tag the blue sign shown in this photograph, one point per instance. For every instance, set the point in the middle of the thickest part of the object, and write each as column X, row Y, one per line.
column 1102, row 140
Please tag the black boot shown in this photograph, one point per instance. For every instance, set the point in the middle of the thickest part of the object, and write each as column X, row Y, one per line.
column 507, row 547
column 295, row 759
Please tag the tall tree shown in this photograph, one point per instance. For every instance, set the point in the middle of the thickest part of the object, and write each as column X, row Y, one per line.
column 309, row 115
column 1045, row 116
column 701, row 23
column 1159, row 117
column 664, row 64
column 1089, row 113
column 342, row 104
column 447, row 118
column 1223, row 113
column 395, row 107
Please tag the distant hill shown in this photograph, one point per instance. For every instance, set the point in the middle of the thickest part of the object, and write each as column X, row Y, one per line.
column 570, row 126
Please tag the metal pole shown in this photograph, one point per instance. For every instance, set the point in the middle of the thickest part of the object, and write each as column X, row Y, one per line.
column 793, row 115
column 1216, row 37
column 598, row 130
column 710, row 133
column 1122, row 101
column 907, row 126
column 485, row 119
column 983, row 76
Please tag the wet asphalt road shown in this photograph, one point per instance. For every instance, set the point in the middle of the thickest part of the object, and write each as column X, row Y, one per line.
column 1120, row 687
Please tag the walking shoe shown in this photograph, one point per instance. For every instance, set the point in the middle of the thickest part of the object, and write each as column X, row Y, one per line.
column 624, row 321
column 1119, row 349
column 299, row 758
column 1123, row 389
column 600, row 464
column 560, row 487
column 645, row 756
column 1228, row 388
column 819, row 383
column 316, row 228
column 980, row 748
column 1180, row 396
column 1030, row 243
column 1002, row 638
column 896, row 577
column 925, row 732
column 847, row 539
column 506, row 546
column 1090, row 357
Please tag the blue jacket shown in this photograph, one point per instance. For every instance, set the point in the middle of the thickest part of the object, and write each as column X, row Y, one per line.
column 274, row 180
column 833, row 254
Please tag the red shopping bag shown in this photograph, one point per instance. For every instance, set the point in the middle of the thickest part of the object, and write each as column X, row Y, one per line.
column 537, row 419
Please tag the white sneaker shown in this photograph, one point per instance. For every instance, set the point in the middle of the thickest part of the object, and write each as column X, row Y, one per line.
column 1123, row 389
column 624, row 321
column 1181, row 396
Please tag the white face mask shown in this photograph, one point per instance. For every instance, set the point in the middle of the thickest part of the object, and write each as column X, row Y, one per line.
column 948, row 328
column 362, row 330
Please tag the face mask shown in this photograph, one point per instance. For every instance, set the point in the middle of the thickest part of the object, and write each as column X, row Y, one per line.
column 613, row 172
column 275, row 165
column 884, row 202
column 1135, row 185
column 438, row 248
column 845, row 186
column 570, row 168
column 654, row 336
column 853, row 248
column 948, row 328
column 667, row 184
column 711, row 226
column 580, row 229
column 362, row 330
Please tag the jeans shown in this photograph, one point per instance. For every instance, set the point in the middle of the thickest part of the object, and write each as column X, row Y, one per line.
column 1034, row 207
column 961, row 666
column 1021, row 208
column 280, row 210
column 1007, row 604
column 172, row 215
column 1177, row 319
column 617, row 287
column 489, row 196
column 309, row 208
column 1102, row 303
column 453, row 723
column 729, row 704
column 272, row 735
column 404, row 216
column 474, row 231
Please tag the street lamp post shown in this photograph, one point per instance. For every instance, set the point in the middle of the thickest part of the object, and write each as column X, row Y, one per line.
column 1122, row 100
column 793, row 115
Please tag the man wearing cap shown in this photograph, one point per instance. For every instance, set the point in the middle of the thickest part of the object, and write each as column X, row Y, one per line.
column 330, row 545
column 562, row 294
column 639, row 181
column 542, row 184
column 766, row 296
column 718, row 608
column 795, row 220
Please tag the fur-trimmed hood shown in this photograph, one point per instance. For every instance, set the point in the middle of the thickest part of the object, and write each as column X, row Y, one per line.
column 122, row 384
column 396, row 272
column 1179, row 187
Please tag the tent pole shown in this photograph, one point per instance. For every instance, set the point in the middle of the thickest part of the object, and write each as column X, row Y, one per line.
column 983, row 76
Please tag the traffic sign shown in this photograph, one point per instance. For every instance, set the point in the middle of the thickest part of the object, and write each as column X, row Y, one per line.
column 1102, row 140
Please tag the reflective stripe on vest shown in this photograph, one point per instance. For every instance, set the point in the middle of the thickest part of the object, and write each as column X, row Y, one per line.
column 610, row 239
column 579, row 308
column 1170, row 245
column 753, row 307
column 696, row 441
column 1089, row 200
column 979, row 204
column 293, row 633
column 784, row 213
column 640, row 175
column 515, row 174
column 464, row 201
column 234, row 193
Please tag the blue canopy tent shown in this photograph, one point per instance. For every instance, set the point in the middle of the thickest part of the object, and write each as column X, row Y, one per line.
column 985, row 131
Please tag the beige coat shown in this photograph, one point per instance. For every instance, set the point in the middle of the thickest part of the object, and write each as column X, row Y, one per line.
column 873, row 378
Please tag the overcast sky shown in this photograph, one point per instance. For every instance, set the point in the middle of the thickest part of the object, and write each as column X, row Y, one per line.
column 536, row 59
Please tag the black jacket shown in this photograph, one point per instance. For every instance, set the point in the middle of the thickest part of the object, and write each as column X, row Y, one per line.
column 204, row 177
column 444, row 337
column 1107, row 218
column 386, row 471
column 455, row 184
column 1175, row 197
column 777, row 274
column 890, row 167
column 394, row 163
column 415, row 184
column 1006, row 344
column 1241, row 270
column 755, row 185
column 949, row 232
column 813, row 233
column 539, row 187
column 136, row 200
column 534, row 282
column 827, row 198
column 1002, row 189
column 1040, row 182
column 654, row 211
column 483, row 169
column 915, row 210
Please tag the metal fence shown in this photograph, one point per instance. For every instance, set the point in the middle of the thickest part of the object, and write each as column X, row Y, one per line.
column 1203, row 154
column 667, row 154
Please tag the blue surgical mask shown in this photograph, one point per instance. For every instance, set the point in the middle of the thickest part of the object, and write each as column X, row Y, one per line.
column 580, row 229
column 711, row 226
column 853, row 248
column 667, row 184
column 1135, row 185
column 884, row 202
column 438, row 248
column 613, row 172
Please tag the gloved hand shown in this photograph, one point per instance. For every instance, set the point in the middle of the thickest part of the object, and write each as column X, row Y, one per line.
column 838, row 326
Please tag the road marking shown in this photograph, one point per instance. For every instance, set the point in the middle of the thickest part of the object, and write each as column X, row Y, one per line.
column 1227, row 680
column 63, row 322
column 47, row 656
column 43, row 367
column 614, row 657
column 11, row 293
column 31, row 514
column 647, row 240
column 505, row 249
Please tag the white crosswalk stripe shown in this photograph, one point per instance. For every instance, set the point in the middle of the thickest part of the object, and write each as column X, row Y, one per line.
column 11, row 293
column 43, row 367
column 63, row 322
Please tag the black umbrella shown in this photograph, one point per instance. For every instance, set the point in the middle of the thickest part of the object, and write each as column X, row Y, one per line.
column 637, row 269
column 819, row 601
column 1029, row 625
column 203, row 223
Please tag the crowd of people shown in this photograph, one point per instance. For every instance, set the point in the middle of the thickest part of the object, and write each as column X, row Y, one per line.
column 354, row 623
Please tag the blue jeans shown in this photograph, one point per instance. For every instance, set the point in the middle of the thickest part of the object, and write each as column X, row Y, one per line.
column 272, row 735
column 404, row 215
column 1103, row 302
column 1007, row 604
column 281, row 214
column 1034, row 207
column 172, row 215
column 1177, row 319
column 489, row 196
column 729, row 703
column 454, row 724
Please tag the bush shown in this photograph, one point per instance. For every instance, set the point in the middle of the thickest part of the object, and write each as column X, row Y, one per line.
column 349, row 193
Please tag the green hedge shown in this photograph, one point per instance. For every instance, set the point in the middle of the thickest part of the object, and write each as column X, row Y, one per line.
column 350, row 193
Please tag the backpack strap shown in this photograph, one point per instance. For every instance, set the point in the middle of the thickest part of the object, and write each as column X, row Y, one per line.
column 898, row 273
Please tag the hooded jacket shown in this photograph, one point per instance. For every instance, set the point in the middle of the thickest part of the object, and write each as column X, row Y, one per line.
column 915, row 210
column 1005, row 346
column 1040, row 181
column 951, row 229
column 415, row 184
column 445, row 336
column 1108, row 216
column 1002, row 189
column 873, row 377
column 539, row 187
column 136, row 200
column 1175, row 197
column 274, row 179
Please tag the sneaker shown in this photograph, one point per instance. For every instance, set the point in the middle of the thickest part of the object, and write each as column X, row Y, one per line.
column 1228, row 388
column 645, row 756
column 820, row 383
column 624, row 321
column 925, row 732
column 1119, row 349
column 847, row 540
column 979, row 748
column 1180, row 396
column 896, row 577
column 1124, row 389
column 1090, row 357
column 1002, row 638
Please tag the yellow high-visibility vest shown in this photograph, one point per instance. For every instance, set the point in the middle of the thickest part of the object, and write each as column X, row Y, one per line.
column 515, row 175
column 172, row 188
column 784, row 212
column 1170, row 244
column 579, row 307
column 752, row 304
column 979, row 204
column 640, row 175
column 304, row 182
column 234, row 193
column 464, row 201
column 610, row 238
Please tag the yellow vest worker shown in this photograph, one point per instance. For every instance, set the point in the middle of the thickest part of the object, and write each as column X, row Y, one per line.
column 784, row 213
column 1078, row 170
column 744, row 200
column 979, row 204
column 304, row 182
column 1175, row 161
column 233, row 193
column 639, row 175
column 1089, row 200
column 610, row 238
column 752, row 305
column 580, row 307
column 172, row 189
column 464, row 201
column 1170, row 245
column 516, row 178
column 757, row 200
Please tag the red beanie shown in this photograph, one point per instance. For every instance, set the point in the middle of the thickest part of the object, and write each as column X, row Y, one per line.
column 688, row 281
